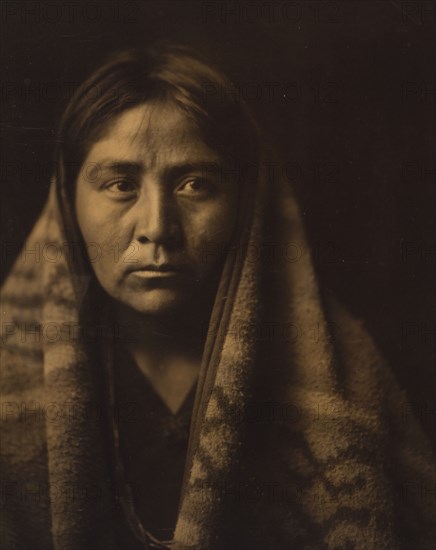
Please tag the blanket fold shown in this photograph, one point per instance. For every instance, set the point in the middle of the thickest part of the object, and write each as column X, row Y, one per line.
column 297, row 436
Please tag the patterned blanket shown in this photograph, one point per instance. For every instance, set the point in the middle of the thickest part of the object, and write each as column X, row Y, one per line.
column 299, row 437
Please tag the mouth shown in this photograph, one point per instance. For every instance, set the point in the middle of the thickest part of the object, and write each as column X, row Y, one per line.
column 162, row 271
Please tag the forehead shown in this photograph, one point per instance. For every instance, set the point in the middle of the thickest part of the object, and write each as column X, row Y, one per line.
column 152, row 133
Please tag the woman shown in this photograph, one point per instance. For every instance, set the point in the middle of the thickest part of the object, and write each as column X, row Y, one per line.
column 173, row 376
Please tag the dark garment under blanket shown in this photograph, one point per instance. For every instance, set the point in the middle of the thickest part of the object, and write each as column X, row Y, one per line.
column 153, row 446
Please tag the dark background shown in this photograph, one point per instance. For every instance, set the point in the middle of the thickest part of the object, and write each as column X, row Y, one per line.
column 356, row 127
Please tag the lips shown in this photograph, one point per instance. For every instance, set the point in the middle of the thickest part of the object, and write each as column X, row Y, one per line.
column 158, row 270
column 159, row 267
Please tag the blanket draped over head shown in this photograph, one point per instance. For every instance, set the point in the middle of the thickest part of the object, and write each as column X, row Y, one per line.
column 299, row 435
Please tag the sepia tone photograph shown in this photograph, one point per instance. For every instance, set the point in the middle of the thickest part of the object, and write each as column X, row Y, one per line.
column 217, row 275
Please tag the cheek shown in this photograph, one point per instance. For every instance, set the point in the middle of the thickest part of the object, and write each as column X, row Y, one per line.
column 211, row 225
column 104, row 236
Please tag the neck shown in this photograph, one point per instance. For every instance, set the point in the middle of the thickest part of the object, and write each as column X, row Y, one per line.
column 167, row 350
column 182, row 331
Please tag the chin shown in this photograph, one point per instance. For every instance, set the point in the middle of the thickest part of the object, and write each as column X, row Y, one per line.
column 157, row 302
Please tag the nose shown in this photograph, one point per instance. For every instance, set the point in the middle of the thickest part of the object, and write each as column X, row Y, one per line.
column 156, row 218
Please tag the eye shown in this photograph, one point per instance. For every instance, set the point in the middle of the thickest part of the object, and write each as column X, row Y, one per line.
column 196, row 186
column 122, row 188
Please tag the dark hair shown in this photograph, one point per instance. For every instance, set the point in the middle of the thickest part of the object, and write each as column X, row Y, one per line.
column 166, row 73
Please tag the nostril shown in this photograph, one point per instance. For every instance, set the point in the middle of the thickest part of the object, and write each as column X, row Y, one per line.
column 142, row 239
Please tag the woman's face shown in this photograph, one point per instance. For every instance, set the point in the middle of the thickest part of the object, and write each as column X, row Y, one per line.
column 154, row 209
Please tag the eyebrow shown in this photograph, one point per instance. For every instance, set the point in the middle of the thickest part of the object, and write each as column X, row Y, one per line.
column 121, row 167
column 173, row 172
